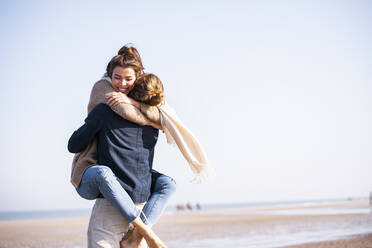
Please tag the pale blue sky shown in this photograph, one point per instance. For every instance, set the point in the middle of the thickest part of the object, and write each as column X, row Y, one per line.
column 278, row 93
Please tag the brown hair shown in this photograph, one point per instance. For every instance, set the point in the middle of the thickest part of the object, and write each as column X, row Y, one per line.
column 148, row 89
column 128, row 56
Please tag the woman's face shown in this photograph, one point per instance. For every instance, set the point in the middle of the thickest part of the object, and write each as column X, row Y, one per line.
column 123, row 79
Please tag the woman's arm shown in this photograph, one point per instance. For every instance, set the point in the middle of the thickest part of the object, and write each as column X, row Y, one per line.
column 126, row 111
column 150, row 112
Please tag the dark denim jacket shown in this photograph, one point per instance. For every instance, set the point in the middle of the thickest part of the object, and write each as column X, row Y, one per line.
column 125, row 147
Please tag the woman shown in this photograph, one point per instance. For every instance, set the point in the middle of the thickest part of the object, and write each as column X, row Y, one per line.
column 122, row 72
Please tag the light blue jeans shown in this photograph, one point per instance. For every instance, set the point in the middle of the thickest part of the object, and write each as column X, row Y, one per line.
column 100, row 181
column 162, row 187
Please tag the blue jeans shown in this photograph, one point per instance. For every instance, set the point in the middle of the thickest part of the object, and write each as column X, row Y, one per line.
column 99, row 181
column 162, row 187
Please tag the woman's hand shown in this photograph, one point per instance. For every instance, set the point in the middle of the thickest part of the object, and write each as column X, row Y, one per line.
column 157, row 126
column 116, row 98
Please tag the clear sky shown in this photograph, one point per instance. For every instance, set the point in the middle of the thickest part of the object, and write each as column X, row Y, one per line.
column 277, row 92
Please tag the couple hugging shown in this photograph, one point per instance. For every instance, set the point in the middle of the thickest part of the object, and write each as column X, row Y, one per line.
column 114, row 154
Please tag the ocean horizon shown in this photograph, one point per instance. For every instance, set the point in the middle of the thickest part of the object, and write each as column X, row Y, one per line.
column 69, row 213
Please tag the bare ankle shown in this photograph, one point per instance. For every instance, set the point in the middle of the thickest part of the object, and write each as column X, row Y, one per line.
column 148, row 234
column 133, row 241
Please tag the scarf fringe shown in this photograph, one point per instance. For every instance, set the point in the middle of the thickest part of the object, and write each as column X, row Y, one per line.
column 177, row 134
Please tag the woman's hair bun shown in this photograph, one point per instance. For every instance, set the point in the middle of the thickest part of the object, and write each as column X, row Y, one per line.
column 129, row 52
column 127, row 49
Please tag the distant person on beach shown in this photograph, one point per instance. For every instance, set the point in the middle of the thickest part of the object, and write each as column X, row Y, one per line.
column 121, row 73
column 198, row 206
column 188, row 206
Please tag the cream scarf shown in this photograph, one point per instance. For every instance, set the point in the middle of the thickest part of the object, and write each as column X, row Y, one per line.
column 177, row 134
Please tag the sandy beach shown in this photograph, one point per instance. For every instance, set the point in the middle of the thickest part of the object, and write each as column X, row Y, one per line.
column 360, row 241
column 244, row 227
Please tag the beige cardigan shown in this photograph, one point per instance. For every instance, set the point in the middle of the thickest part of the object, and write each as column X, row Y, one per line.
column 143, row 116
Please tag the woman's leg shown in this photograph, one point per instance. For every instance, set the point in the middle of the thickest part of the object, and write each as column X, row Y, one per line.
column 101, row 180
column 162, row 187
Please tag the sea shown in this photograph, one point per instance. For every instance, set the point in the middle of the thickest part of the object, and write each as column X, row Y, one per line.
column 211, row 208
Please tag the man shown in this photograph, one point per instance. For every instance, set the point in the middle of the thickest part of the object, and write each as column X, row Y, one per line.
column 125, row 153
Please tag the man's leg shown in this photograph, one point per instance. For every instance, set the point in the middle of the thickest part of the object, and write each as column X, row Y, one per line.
column 106, row 225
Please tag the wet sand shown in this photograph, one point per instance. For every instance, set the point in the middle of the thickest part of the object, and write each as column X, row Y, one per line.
column 175, row 229
column 191, row 227
column 360, row 241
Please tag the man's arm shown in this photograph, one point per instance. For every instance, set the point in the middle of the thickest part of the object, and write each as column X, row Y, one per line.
column 86, row 133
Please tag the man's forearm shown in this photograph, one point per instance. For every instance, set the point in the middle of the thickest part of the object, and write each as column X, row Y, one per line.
column 83, row 136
